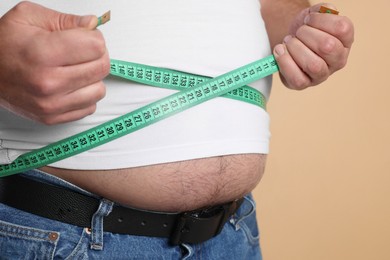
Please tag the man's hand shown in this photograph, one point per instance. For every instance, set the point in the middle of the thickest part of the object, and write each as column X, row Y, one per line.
column 317, row 45
column 51, row 64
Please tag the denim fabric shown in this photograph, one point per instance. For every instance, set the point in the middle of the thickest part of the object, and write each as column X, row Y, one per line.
column 27, row 236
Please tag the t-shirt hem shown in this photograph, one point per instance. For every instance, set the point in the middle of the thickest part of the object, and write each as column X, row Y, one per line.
column 92, row 161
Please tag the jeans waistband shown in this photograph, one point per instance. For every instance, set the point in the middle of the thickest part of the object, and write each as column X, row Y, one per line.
column 63, row 202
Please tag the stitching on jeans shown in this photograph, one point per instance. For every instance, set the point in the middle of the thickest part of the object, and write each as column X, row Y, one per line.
column 16, row 230
column 79, row 246
column 17, row 227
column 243, row 217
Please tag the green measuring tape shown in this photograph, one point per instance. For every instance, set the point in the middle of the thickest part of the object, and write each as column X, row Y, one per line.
column 177, row 80
column 193, row 90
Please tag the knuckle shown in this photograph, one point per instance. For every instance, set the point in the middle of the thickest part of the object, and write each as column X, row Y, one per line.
column 99, row 44
column 317, row 68
column 343, row 27
column 105, row 66
column 299, row 83
column 92, row 109
column 42, row 85
column 22, row 7
column 101, row 92
column 100, row 70
column 46, row 108
column 328, row 45
column 342, row 61
column 49, row 121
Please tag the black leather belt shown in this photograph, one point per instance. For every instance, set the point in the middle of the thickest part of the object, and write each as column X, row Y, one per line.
column 68, row 206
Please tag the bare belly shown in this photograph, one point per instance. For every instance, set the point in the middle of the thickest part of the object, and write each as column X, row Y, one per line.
column 173, row 187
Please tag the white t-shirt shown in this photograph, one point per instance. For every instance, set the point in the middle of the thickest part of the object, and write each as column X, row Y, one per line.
column 197, row 36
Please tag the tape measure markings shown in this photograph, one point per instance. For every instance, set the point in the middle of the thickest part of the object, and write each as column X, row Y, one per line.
column 177, row 80
column 193, row 89
column 142, row 117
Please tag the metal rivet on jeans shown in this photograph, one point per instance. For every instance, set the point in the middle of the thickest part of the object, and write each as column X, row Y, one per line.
column 88, row 230
column 53, row 236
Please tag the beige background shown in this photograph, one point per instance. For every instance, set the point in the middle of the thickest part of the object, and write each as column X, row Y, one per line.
column 326, row 190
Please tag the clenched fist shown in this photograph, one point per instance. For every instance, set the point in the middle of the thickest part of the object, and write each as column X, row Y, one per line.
column 318, row 44
column 51, row 64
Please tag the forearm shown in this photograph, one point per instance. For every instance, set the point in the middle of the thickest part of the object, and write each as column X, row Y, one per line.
column 278, row 16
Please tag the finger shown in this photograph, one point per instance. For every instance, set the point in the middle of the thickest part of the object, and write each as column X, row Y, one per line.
column 300, row 19
column 66, row 48
column 338, row 26
column 46, row 82
column 83, row 98
column 292, row 75
column 84, row 74
column 325, row 45
column 77, row 46
column 309, row 62
column 48, row 19
column 68, row 117
column 59, row 105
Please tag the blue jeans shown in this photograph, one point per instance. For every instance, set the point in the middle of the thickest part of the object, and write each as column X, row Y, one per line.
column 27, row 236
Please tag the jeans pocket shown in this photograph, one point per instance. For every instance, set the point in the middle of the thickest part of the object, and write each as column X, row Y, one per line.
column 25, row 243
column 245, row 220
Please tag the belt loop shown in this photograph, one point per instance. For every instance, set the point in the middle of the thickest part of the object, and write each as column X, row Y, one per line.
column 104, row 209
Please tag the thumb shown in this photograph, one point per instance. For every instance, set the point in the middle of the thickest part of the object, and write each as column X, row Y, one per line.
column 60, row 21
column 300, row 18
column 87, row 21
column 48, row 19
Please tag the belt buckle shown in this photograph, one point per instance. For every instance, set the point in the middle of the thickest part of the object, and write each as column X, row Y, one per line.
column 184, row 221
